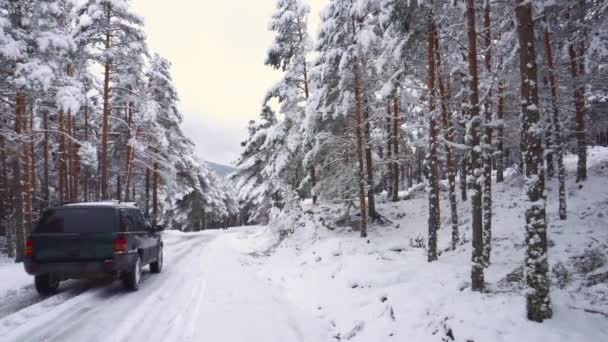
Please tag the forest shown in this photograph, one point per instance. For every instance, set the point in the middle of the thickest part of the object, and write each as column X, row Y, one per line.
column 451, row 97
column 434, row 170
column 88, row 113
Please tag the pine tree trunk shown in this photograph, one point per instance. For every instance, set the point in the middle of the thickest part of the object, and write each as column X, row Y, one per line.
column 27, row 178
column 87, row 175
column 155, row 194
column 536, row 262
column 32, row 151
column 389, row 153
column 448, row 136
column 359, row 143
column 47, row 185
column 500, row 160
column 487, row 144
column 130, row 152
column 4, row 192
column 369, row 165
column 558, row 140
column 474, row 127
column 577, row 70
column 60, row 159
column 105, row 121
column 396, row 125
column 147, row 204
column 68, row 154
column 18, row 188
column 434, row 215
column 463, row 177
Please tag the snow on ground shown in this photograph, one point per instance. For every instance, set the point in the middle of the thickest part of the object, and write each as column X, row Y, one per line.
column 324, row 283
column 383, row 289
column 206, row 292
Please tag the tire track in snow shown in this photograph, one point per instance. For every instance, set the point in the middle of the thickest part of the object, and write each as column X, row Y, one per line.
column 58, row 318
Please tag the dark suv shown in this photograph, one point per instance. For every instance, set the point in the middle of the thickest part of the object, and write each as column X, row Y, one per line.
column 92, row 240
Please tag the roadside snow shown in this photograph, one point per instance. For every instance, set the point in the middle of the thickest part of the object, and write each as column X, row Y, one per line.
column 383, row 289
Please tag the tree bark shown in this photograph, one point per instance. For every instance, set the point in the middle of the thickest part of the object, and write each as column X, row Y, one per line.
column 536, row 262
column 369, row 165
column 434, row 215
column 155, row 194
column 147, row 205
column 487, row 143
column 395, row 126
column 500, row 159
column 106, row 118
column 47, row 195
column 359, row 144
column 558, row 140
column 389, row 153
column 130, row 152
column 448, row 136
column 61, row 160
column 477, row 273
column 578, row 70
column 18, row 188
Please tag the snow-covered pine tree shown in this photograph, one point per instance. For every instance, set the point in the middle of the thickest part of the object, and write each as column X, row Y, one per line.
column 474, row 127
column 109, row 27
column 537, row 260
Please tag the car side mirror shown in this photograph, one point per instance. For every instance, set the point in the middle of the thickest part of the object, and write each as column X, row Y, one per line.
column 159, row 228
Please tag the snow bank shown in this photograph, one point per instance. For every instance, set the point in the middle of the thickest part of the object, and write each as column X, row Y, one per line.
column 382, row 288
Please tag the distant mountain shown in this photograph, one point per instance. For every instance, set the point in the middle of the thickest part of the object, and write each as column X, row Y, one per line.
column 220, row 169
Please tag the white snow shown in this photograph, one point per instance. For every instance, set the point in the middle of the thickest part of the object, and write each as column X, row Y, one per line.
column 206, row 292
column 325, row 283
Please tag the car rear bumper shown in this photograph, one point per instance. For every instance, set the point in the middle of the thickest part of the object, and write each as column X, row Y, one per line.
column 117, row 264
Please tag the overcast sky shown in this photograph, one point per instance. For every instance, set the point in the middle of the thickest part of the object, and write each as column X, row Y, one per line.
column 218, row 50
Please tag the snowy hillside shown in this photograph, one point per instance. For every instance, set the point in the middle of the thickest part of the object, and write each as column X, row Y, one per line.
column 383, row 289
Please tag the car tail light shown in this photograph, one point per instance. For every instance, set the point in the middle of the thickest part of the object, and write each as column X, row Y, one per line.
column 120, row 245
column 29, row 248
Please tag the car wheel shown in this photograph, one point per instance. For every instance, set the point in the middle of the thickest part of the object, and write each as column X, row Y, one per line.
column 46, row 284
column 131, row 279
column 157, row 266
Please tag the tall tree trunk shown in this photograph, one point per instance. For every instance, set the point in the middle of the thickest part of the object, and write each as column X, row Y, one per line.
column 396, row 126
column 87, row 175
column 27, row 176
column 5, row 205
column 434, row 215
column 68, row 153
column 389, row 153
column 32, row 151
column 577, row 68
column 359, row 143
column 18, row 187
column 487, row 143
column 500, row 159
column 130, row 151
column 536, row 263
column 61, row 160
column 106, row 119
column 369, row 165
column 155, row 194
column 475, row 123
column 558, row 140
column 147, row 204
column 47, row 195
column 448, row 135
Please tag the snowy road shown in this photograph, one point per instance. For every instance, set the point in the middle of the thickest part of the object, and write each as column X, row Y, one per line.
column 206, row 292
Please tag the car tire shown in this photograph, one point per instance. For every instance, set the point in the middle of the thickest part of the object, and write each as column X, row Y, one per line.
column 46, row 284
column 157, row 266
column 131, row 279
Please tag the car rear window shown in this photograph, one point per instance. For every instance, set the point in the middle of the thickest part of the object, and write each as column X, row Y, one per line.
column 78, row 220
